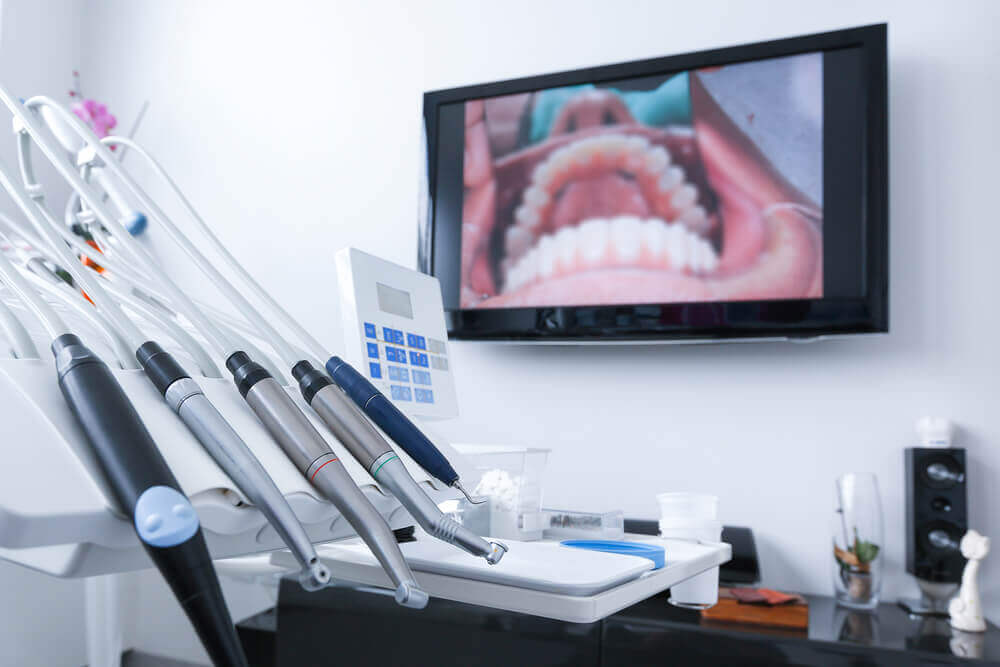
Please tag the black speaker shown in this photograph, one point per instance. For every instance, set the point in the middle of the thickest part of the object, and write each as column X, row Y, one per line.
column 936, row 513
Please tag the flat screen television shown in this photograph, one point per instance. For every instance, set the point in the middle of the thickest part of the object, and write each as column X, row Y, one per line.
column 733, row 193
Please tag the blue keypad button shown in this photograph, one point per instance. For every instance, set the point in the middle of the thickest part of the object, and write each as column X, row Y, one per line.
column 400, row 393
column 419, row 342
column 394, row 336
column 424, row 395
column 387, row 334
column 400, row 339
column 418, row 359
column 400, row 355
column 375, row 371
column 399, row 374
column 373, row 350
column 390, row 354
column 370, row 330
column 421, row 377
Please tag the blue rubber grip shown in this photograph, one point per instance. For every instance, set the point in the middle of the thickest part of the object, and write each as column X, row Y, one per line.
column 387, row 417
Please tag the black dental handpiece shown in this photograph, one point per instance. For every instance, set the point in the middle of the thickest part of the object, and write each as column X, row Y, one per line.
column 145, row 488
column 227, row 448
column 371, row 450
column 315, row 459
column 395, row 424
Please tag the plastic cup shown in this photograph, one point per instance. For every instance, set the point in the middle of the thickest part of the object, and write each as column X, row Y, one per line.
column 688, row 506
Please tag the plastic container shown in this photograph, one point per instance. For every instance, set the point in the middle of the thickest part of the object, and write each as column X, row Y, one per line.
column 688, row 506
column 511, row 477
column 695, row 517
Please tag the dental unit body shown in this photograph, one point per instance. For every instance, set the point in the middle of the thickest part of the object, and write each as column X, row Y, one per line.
column 340, row 413
column 185, row 398
column 277, row 412
column 141, row 483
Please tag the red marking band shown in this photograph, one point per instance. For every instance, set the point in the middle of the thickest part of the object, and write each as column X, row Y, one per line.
column 320, row 468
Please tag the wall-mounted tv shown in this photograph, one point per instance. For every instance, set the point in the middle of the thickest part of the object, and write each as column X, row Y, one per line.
column 734, row 193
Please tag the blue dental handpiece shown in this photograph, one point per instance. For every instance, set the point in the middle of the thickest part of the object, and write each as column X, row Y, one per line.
column 395, row 424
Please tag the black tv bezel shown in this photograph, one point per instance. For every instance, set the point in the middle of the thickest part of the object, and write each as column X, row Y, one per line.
column 680, row 322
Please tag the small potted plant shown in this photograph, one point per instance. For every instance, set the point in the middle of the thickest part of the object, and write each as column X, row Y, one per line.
column 855, row 567
column 857, row 535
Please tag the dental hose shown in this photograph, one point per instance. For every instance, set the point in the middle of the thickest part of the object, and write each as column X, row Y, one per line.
column 139, row 480
column 182, row 394
column 382, row 463
column 370, row 400
column 279, row 414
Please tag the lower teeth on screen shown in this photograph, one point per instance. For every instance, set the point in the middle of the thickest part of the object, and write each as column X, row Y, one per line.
column 624, row 241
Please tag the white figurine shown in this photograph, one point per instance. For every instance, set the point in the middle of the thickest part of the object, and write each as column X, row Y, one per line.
column 966, row 610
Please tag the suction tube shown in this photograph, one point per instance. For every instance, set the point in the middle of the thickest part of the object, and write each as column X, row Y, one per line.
column 227, row 448
column 311, row 454
column 374, row 453
column 146, row 489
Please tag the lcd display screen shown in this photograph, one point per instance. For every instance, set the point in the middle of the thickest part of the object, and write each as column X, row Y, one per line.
column 394, row 301
column 737, row 192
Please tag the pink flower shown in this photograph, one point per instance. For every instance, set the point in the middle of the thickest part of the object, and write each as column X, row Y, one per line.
column 95, row 115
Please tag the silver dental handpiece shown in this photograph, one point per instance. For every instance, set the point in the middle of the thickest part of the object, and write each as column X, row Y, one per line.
column 311, row 454
column 371, row 450
column 227, row 448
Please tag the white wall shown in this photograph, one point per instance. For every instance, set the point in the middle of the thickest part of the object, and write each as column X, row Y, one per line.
column 294, row 126
column 41, row 618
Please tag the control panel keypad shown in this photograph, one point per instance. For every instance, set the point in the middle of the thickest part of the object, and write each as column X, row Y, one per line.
column 406, row 360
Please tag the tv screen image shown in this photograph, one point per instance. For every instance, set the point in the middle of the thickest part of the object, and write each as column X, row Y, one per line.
column 701, row 185
column 739, row 192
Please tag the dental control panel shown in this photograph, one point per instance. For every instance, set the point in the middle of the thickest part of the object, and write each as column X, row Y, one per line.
column 395, row 332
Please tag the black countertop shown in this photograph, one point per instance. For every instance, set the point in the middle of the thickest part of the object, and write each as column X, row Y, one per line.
column 370, row 629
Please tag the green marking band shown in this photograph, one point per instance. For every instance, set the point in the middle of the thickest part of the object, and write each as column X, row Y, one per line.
column 383, row 463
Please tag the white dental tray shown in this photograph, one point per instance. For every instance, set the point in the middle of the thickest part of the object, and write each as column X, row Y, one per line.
column 539, row 578
column 542, row 566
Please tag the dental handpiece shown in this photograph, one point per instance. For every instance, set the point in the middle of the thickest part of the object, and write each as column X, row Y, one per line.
column 225, row 446
column 372, row 451
column 395, row 424
column 144, row 486
column 311, row 454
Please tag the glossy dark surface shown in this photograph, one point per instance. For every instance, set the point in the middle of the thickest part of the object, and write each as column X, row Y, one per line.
column 342, row 626
column 860, row 204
